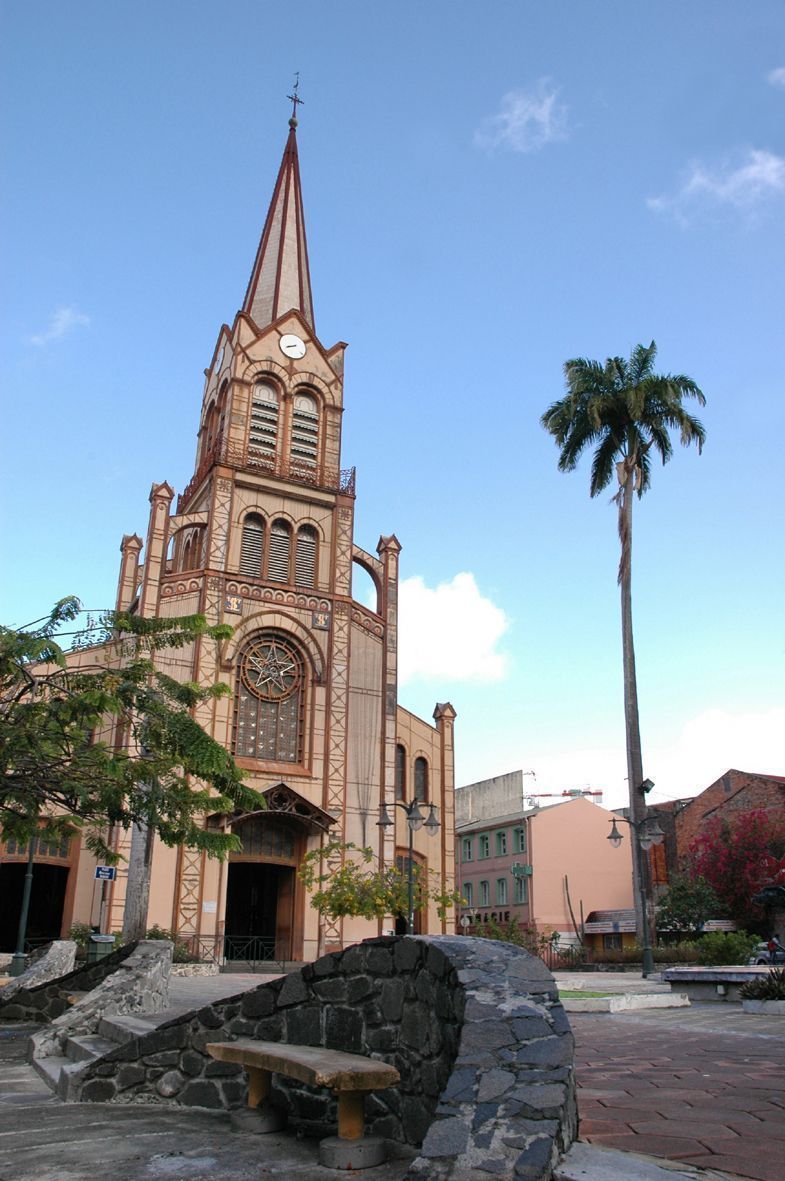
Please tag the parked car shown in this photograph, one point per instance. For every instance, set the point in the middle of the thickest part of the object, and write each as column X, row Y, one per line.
column 770, row 952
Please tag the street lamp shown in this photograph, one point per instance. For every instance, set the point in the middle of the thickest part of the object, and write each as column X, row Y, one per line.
column 415, row 821
column 647, row 832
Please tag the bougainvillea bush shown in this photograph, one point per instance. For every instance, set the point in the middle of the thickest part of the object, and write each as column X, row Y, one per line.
column 738, row 857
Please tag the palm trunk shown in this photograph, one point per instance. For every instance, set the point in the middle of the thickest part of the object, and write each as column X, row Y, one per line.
column 631, row 720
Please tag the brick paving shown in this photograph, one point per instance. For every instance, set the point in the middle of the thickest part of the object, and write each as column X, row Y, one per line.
column 704, row 1086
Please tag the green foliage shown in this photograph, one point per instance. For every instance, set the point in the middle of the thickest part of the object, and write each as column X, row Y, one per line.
column 343, row 884
column 677, row 953
column 720, row 947
column 80, row 933
column 61, row 715
column 765, row 988
column 182, row 953
column 687, row 904
column 513, row 932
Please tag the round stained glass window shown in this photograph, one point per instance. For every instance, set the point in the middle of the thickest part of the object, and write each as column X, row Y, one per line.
column 271, row 670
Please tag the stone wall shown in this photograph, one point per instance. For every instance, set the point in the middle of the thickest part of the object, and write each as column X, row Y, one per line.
column 44, row 1002
column 474, row 1027
column 57, row 959
column 139, row 984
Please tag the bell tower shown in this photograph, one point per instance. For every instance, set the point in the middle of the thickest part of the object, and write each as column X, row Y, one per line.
column 262, row 538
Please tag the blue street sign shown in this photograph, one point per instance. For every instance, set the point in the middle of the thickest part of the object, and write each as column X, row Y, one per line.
column 105, row 873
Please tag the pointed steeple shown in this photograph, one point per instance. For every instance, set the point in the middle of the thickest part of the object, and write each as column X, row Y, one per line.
column 280, row 279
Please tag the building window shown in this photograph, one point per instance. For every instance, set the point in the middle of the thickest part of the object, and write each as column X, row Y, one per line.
column 400, row 772
column 484, row 845
column 520, row 890
column 519, row 840
column 501, row 843
column 279, row 556
column 467, row 849
column 501, row 891
column 305, row 431
column 263, row 436
column 485, row 894
column 611, row 942
column 305, row 557
column 270, row 700
column 468, row 893
column 421, row 780
column 252, row 546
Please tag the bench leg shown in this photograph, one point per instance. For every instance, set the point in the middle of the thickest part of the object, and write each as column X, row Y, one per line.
column 259, row 1082
column 351, row 1114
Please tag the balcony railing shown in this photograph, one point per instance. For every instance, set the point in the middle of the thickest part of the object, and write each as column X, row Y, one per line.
column 326, row 479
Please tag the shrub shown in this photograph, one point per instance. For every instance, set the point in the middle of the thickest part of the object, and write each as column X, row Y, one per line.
column 718, row 947
column 770, row 987
column 80, row 933
column 181, row 954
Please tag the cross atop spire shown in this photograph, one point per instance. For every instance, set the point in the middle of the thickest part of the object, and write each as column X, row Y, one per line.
column 280, row 279
column 295, row 100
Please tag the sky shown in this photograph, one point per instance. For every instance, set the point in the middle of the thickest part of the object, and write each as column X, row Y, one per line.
column 490, row 189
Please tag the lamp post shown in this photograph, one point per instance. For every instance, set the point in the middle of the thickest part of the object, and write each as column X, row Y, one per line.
column 646, row 832
column 415, row 821
column 18, row 959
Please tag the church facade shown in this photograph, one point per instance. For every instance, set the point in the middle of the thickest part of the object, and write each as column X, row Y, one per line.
column 263, row 538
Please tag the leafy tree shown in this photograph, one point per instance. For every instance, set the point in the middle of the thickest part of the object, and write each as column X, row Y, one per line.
column 59, row 716
column 739, row 856
column 624, row 411
column 352, row 889
column 687, row 904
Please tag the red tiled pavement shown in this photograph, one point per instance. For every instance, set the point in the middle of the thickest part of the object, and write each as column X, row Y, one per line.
column 670, row 1087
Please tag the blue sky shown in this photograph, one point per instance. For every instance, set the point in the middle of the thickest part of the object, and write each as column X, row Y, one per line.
column 489, row 190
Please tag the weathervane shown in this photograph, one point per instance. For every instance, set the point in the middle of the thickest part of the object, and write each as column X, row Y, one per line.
column 294, row 99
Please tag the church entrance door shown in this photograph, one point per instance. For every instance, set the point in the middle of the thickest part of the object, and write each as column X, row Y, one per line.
column 263, row 895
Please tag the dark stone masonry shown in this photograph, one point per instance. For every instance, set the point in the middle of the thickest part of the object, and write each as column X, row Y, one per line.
column 44, row 1002
column 474, row 1027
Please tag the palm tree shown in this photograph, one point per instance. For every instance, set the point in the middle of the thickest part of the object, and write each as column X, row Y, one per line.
column 623, row 410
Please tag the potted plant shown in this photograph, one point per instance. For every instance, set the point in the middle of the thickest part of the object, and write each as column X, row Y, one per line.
column 765, row 994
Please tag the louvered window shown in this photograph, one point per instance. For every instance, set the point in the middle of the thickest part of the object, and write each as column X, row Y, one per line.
column 400, row 773
column 252, row 546
column 270, row 700
column 305, row 557
column 421, row 780
column 305, row 431
column 263, row 437
column 280, row 551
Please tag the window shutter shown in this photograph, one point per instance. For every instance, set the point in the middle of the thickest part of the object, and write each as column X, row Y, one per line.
column 252, row 546
column 280, row 548
column 305, row 431
column 263, row 436
column 305, row 557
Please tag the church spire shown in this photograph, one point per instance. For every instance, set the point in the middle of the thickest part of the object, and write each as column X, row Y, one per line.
column 280, row 279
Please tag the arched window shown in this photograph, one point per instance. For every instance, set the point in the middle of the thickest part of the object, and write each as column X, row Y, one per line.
column 305, row 431
column 192, row 549
column 252, row 546
column 279, row 555
column 421, row 780
column 305, row 557
column 270, row 700
column 400, row 772
column 263, row 435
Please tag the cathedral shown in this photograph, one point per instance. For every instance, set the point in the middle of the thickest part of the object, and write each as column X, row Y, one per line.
column 262, row 538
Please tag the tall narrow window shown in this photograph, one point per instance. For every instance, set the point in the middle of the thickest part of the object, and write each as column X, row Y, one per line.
column 468, row 893
column 263, row 436
column 305, row 431
column 485, row 893
column 501, row 891
column 400, row 772
column 270, row 700
column 252, row 546
column 421, row 780
column 305, row 557
column 279, row 555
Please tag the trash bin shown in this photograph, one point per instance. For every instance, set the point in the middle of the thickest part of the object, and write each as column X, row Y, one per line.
column 99, row 946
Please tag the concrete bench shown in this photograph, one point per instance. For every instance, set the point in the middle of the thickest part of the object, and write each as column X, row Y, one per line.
column 349, row 1076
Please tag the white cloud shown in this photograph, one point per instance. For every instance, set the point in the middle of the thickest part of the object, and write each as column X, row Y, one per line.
column 758, row 176
column 526, row 121
column 64, row 321
column 777, row 77
column 449, row 632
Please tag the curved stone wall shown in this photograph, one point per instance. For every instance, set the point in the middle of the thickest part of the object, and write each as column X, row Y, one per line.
column 56, row 960
column 474, row 1027
column 44, row 1002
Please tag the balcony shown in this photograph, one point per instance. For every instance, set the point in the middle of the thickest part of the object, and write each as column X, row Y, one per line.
column 326, row 479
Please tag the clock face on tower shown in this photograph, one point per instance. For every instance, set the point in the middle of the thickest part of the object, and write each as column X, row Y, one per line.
column 291, row 346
